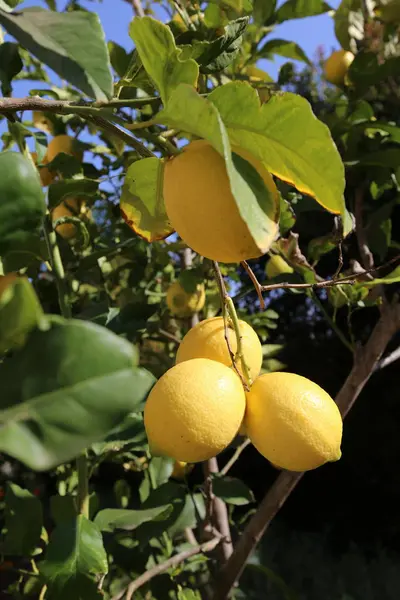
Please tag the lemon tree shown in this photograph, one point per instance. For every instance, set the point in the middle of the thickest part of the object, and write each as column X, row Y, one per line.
column 184, row 235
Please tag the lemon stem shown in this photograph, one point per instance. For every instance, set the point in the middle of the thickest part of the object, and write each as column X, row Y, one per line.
column 239, row 352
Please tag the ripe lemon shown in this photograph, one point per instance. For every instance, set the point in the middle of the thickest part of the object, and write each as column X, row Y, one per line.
column 337, row 65
column 277, row 266
column 200, row 205
column 194, row 410
column 180, row 470
column 207, row 340
column 69, row 207
column 5, row 281
column 62, row 143
column 182, row 303
column 46, row 176
column 293, row 422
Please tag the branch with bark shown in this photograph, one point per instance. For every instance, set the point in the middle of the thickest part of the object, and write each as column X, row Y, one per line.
column 365, row 362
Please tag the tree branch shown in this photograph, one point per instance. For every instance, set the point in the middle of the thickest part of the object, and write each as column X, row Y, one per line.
column 388, row 360
column 235, row 456
column 364, row 365
column 219, row 512
column 367, row 258
column 172, row 562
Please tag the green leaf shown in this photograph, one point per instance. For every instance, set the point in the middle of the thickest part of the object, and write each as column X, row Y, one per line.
column 23, row 521
column 274, row 133
column 298, row 9
column 388, row 11
column 71, row 187
column 142, row 202
column 169, row 493
column 194, row 509
column 111, row 519
column 349, row 23
column 366, row 70
column 119, row 58
column 387, row 157
column 11, row 65
column 75, row 561
column 393, row 277
column 32, row 251
column 287, row 217
column 222, row 51
column 20, row 312
column 70, row 43
column 79, row 383
column 62, row 508
column 190, row 112
column 232, row 490
column 263, row 11
column 283, row 48
column 160, row 56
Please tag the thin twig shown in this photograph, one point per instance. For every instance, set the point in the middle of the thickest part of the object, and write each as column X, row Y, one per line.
column 171, row 563
column 235, row 456
column 123, row 135
column 257, row 286
column 12, row 105
column 388, row 360
column 138, row 8
column 364, row 365
column 169, row 336
column 219, row 512
column 367, row 258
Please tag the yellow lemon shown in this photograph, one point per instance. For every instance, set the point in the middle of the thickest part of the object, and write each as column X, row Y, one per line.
column 182, row 303
column 337, row 65
column 293, row 422
column 200, row 205
column 180, row 470
column 277, row 266
column 194, row 410
column 69, row 207
column 46, row 176
column 207, row 340
column 62, row 143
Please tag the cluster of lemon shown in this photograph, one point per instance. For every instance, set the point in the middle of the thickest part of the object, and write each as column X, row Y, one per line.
column 70, row 206
column 198, row 406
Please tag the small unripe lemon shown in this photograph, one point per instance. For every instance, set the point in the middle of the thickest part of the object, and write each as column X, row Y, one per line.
column 201, row 207
column 194, row 410
column 277, row 266
column 182, row 303
column 207, row 340
column 62, row 143
column 293, row 422
column 337, row 65
column 69, row 207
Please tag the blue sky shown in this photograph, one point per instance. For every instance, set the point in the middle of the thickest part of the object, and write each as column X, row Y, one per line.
column 309, row 33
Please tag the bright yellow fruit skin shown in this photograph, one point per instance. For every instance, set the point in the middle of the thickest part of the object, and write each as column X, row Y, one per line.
column 62, row 143
column 277, row 266
column 207, row 340
column 46, row 176
column 180, row 470
column 293, row 422
column 182, row 303
column 200, row 205
column 194, row 410
column 337, row 65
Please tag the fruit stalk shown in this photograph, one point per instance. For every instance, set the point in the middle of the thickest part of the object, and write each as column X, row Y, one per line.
column 57, row 268
column 364, row 365
column 239, row 353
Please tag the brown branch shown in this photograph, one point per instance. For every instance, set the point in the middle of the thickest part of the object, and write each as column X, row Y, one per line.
column 12, row 105
column 219, row 512
column 388, row 360
column 256, row 284
column 364, row 365
column 172, row 562
column 169, row 336
column 138, row 8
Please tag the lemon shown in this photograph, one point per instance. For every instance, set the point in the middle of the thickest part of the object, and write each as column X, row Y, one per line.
column 62, row 143
column 277, row 266
column 46, row 176
column 207, row 340
column 337, row 65
column 69, row 207
column 200, row 205
column 182, row 303
column 194, row 410
column 180, row 470
column 293, row 422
